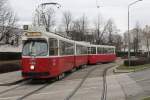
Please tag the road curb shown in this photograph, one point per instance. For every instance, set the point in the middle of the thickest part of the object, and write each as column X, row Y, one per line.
column 115, row 70
column 121, row 71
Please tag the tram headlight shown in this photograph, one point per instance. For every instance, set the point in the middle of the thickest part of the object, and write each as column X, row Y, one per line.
column 32, row 67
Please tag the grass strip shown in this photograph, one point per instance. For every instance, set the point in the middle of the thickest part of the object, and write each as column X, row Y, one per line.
column 147, row 98
column 133, row 68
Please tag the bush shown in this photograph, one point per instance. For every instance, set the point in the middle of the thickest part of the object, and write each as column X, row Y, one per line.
column 135, row 62
column 9, row 66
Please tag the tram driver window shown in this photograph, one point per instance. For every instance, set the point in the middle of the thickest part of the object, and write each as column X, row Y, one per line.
column 53, row 47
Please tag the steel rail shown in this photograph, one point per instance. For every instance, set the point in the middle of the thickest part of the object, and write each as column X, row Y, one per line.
column 13, row 83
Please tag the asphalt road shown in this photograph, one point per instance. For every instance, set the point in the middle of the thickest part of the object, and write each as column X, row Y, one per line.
column 142, row 79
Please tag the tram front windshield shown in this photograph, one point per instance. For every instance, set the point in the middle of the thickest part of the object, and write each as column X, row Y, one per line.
column 35, row 48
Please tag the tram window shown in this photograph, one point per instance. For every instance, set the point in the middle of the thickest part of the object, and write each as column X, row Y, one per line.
column 105, row 50
column 81, row 49
column 35, row 48
column 89, row 50
column 100, row 50
column 84, row 50
column 53, row 47
column 69, row 50
column 110, row 50
column 78, row 50
column 93, row 50
column 26, row 49
column 66, row 48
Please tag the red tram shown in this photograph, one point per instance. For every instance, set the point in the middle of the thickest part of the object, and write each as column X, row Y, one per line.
column 47, row 55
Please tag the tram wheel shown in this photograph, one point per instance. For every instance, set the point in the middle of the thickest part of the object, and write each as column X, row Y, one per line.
column 74, row 69
column 61, row 76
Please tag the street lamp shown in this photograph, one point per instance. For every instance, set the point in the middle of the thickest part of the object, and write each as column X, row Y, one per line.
column 129, row 28
column 42, row 6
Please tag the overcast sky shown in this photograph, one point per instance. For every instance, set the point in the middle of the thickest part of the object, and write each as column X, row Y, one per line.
column 115, row 9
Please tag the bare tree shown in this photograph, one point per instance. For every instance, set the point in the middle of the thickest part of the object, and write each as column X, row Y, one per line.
column 117, row 42
column 79, row 28
column 146, row 35
column 84, row 25
column 76, row 30
column 125, row 41
column 111, row 30
column 98, row 32
column 44, row 17
column 7, row 21
column 103, row 29
column 67, row 21
column 136, row 38
column 97, row 27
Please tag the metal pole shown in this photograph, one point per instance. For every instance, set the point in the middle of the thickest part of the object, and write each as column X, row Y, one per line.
column 129, row 46
column 129, row 35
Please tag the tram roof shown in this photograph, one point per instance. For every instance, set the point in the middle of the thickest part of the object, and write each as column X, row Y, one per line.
column 105, row 46
column 48, row 35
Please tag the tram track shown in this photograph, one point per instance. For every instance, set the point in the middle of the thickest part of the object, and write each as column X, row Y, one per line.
column 80, row 84
column 13, row 83
column 23, row 96
column 104, row 91
column 12, row 88
column 33, row 92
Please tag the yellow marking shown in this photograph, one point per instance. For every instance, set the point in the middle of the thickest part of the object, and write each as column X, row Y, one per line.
column 33, row 34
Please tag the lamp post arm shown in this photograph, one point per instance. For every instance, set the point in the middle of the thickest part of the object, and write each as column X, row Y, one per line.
column 133, row 3
column 51, row 3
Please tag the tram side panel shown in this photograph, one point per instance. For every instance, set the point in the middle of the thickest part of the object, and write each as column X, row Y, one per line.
column 66, row 53
column 59, row 65
column 101, row 55
column 111, row 57
column 92, row 59
column 81, row 60
column 66, row 63
column 102, row 58
column 105, row 54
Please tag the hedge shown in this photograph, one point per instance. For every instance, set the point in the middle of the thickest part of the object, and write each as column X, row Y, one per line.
column 9, row 68
column 10, row 56
column 135, row 62
column 123, row 54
